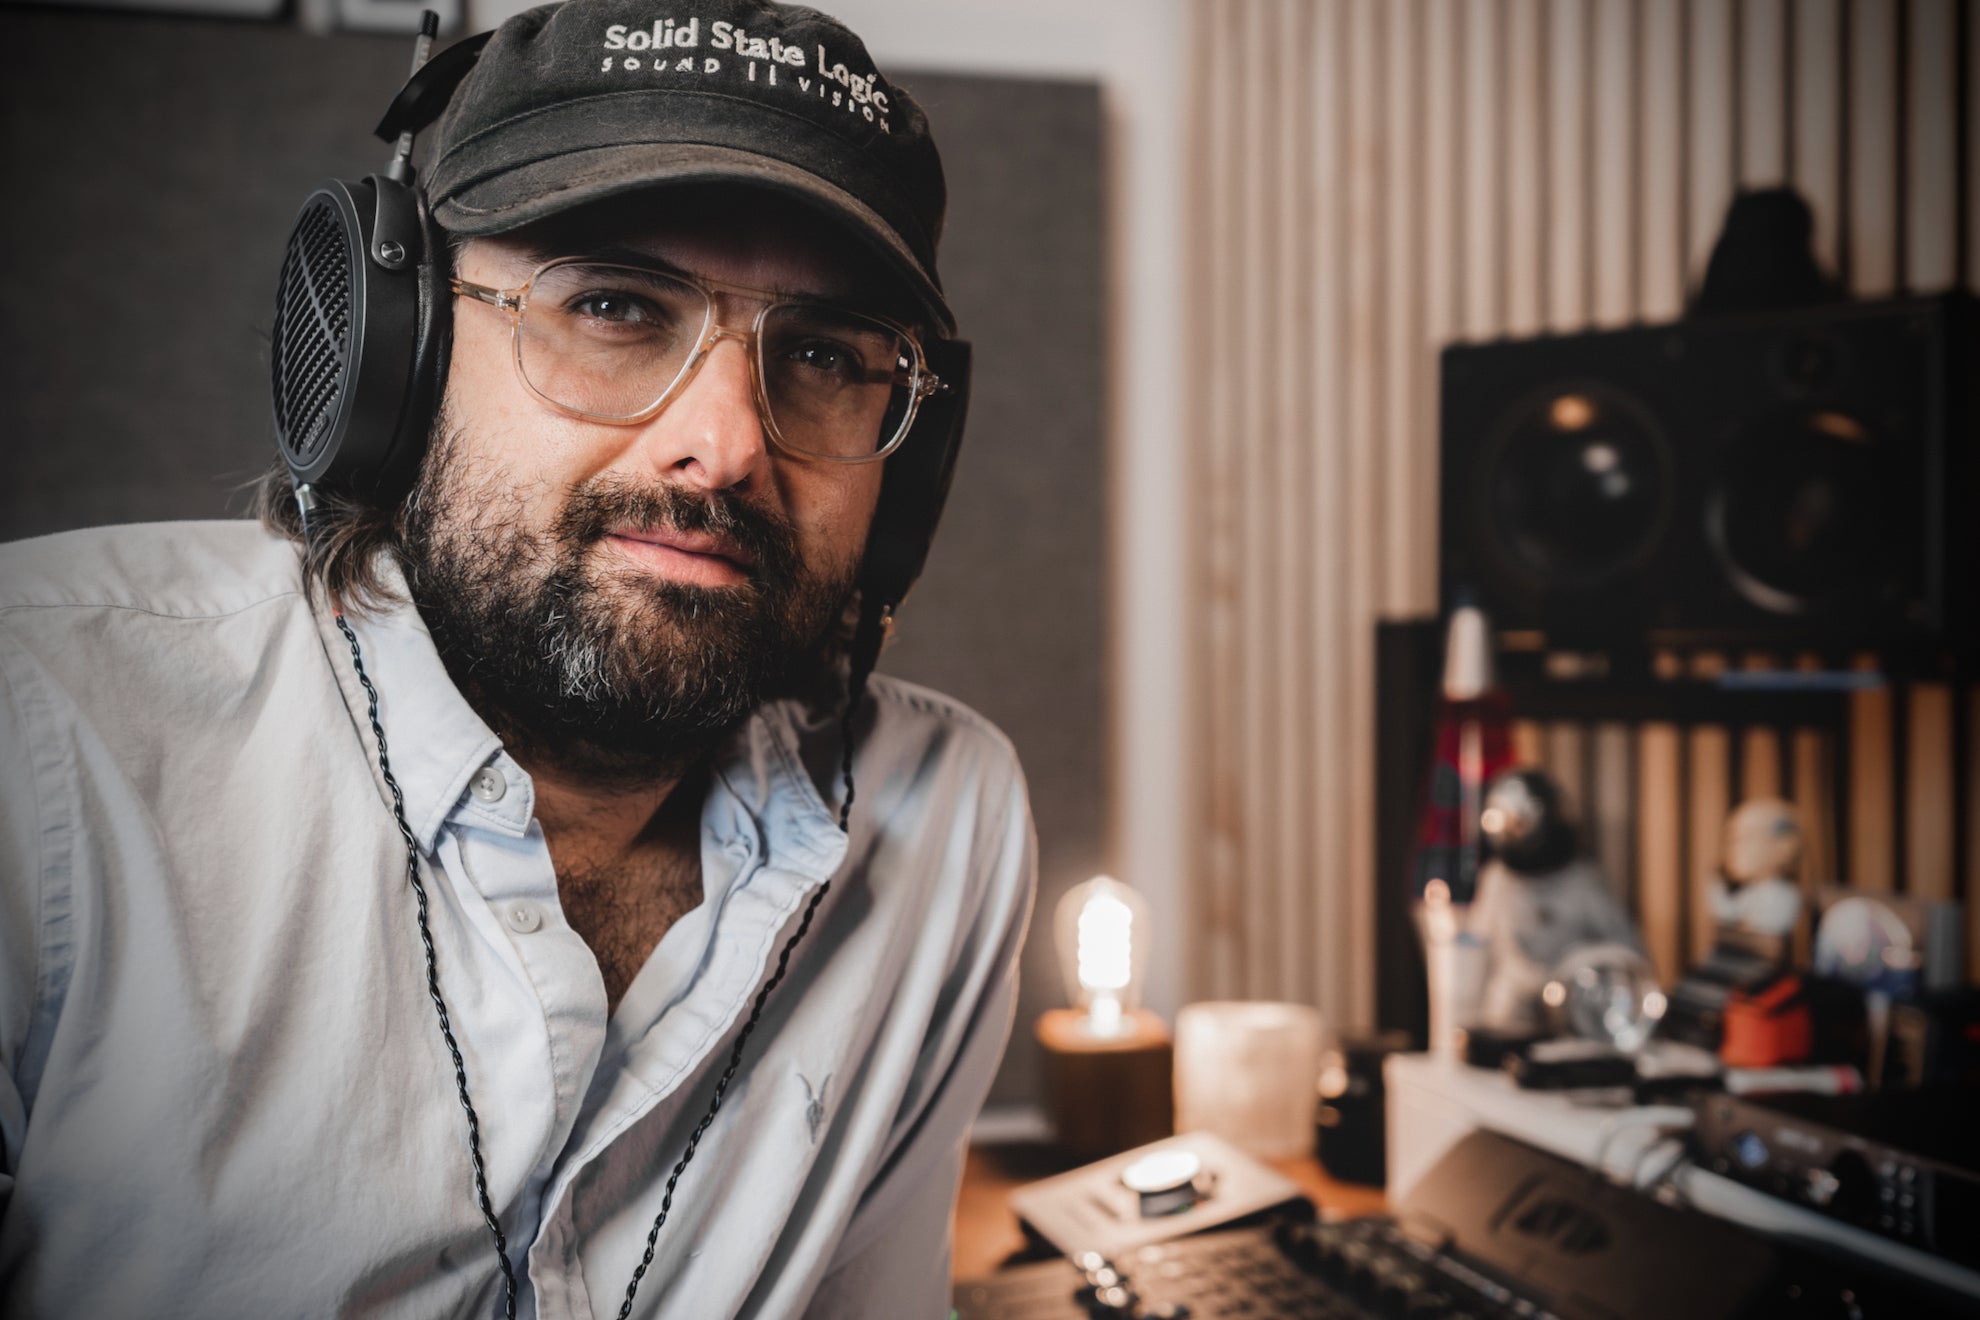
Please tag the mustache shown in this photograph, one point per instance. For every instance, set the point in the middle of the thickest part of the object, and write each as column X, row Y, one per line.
column 600, row 505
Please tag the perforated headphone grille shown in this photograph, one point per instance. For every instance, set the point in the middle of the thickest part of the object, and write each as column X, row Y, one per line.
column 312, row 339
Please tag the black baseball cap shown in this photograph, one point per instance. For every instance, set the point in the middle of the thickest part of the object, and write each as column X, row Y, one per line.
column 573, row 103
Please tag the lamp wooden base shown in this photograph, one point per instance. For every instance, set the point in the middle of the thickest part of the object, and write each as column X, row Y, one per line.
column 1107, row 1094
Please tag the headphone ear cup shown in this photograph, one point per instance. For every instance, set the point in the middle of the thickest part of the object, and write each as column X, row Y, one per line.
column 916, row 483
column 350, row 333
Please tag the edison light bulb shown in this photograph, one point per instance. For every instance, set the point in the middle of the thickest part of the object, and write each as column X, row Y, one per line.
column 1102, row 937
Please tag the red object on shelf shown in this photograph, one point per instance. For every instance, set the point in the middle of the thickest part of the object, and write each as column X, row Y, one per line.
column 1768, row 1025
column 1474, row 742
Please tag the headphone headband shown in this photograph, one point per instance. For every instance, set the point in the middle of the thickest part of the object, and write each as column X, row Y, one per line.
column 424, row 97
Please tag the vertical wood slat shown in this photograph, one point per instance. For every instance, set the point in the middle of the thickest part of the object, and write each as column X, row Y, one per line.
column 1708, row 750
column 1568, row 188
column 1409, row 438
column 1529, row 743
column 1614, row 215
column 1564, row 754
column 1759, row 763
column 1352, row 991
column 1759, row 749
column 1931, row 173
column 1872, row 824
column 1928, row 824
column 1971, row 238
column 1443, row 191
column 1812, row 792
column 1216, row 943
column 1659, row 860
column 1256, row 578
column 1524, row 245
column 1484, row 262
column 1712, row 110
column 1662, row 196
column 1762, row 93
column 1292, row 895
column 1305, row 46
column 1330, row 499
column 1708, row 799
column 1871, row 198
column 1817, row 115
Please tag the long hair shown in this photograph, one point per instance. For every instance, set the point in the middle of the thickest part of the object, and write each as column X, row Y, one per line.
column 343, row 564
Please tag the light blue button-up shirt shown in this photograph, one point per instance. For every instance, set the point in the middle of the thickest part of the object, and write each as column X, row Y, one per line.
column 225, row 1093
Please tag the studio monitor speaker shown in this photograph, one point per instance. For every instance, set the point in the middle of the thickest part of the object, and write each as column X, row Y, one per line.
column 1802, row 478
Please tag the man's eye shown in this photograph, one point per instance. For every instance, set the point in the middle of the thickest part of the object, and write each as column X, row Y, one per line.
column 825, row 357
column 613, row 306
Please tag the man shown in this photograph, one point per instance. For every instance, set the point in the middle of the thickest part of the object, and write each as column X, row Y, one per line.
column 473, row 911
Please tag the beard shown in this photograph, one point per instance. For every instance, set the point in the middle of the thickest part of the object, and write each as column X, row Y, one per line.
column 606, row 673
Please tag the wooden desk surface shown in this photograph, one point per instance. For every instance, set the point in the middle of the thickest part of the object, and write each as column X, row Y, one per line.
column 987, row 1231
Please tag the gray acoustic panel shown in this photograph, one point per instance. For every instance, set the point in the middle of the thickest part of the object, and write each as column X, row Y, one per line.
column 1011, row 613
column 156, row 165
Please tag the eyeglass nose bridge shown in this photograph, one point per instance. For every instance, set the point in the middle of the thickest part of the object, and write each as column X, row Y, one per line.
column 715, row 333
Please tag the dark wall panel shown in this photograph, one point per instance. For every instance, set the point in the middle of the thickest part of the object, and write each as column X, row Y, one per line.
column 155, row 164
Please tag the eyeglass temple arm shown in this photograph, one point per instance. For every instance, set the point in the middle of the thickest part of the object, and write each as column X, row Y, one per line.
column 506, row 299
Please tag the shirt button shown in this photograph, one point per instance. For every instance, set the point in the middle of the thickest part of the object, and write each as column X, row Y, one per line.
column 488, row 785
column 523, row 916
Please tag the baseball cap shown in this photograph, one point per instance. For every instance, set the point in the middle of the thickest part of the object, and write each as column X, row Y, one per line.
column 577, row 102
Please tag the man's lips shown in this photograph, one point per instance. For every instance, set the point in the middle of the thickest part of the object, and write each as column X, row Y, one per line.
column 693, row 543
column 689, row 556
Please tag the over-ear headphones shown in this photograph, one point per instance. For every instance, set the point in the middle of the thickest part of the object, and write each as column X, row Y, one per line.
column 363, row 330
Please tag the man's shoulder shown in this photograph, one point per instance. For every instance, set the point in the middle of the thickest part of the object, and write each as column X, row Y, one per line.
column 909, row 711
column 173, row 569
column 911, row 703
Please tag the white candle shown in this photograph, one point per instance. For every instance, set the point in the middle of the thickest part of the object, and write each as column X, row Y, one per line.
column 1249, row 1072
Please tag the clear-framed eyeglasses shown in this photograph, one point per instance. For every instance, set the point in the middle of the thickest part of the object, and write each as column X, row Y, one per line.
column 618, row 343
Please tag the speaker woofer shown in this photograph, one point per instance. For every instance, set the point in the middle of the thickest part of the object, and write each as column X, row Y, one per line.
column 1577, row 487
column 1805, row 515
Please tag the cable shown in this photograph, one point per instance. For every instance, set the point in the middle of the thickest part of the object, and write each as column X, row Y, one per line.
column 1667, row 1119
column 1649, row 1184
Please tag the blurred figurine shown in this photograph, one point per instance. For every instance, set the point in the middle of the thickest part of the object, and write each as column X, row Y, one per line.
column 1536, row 899
column 1756, row 892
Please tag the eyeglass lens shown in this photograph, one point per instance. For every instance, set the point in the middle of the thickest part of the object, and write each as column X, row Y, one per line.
column 610, row 341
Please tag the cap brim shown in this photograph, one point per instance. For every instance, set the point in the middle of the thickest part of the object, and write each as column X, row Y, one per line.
column 540, row 189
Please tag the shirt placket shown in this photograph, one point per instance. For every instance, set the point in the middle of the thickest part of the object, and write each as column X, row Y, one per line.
column 671, row 1067
column 547, row 1020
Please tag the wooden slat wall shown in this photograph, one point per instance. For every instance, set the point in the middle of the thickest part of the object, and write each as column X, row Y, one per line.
column 1375, row 179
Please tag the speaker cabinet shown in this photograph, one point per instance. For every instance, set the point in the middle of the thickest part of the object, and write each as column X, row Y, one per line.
column 1795, row 479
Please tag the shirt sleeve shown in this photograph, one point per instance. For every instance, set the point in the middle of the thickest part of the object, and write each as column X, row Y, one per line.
column 894, row 1257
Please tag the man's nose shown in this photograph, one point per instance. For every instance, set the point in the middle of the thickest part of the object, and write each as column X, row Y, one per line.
column 711, row 435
